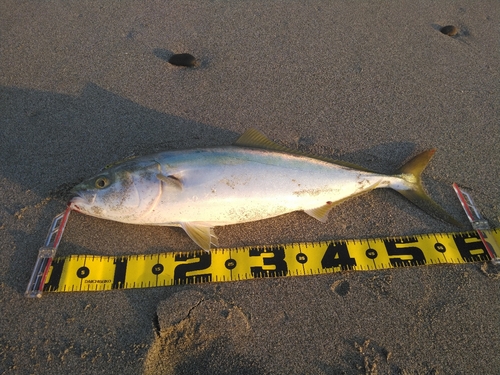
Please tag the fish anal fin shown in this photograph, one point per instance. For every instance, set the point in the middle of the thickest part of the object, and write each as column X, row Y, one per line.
column 170, row 180
column 320, row 213
column 202, row 234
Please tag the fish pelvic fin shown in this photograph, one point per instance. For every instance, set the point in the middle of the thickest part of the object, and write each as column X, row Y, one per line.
column 413, row 190
column 201, row 233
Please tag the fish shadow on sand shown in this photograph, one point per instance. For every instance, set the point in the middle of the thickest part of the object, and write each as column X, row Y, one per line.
column 51, row 142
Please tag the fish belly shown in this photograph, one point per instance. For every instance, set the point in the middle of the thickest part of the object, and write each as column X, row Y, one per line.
column 220, row 188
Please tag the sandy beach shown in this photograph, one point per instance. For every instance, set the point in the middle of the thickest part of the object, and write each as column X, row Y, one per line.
column 84, row 84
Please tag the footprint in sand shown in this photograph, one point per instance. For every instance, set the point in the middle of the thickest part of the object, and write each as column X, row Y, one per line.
column 198, row 334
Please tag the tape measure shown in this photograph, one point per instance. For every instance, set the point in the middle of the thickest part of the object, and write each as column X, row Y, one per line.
column 97, row 273
column 76, row 273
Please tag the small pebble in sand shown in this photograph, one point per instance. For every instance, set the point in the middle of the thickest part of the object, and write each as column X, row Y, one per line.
column 183, row 59
column 449, row 30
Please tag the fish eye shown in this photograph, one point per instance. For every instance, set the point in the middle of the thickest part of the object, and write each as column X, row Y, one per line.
column 101, row 182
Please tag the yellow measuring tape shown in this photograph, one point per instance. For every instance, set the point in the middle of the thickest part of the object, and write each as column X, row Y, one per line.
column 97, row 273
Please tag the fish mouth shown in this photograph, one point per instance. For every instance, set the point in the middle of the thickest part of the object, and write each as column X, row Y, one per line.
column 81, row 200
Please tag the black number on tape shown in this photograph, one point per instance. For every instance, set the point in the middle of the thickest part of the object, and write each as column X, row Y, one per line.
column 393, row 250
column 278, row 261
column 471, row 250
column 120, row 270
column 337, row 255
column 180, row 272
column 55, row 275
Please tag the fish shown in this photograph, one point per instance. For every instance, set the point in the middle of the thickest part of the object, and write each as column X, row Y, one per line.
column 252, row 179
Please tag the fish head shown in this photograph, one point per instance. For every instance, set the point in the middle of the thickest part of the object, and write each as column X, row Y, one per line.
column 125, row 192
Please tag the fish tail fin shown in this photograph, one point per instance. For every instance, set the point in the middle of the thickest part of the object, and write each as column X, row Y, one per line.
column 413, row 190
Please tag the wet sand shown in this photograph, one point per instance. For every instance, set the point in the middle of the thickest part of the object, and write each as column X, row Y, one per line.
column 373, row 83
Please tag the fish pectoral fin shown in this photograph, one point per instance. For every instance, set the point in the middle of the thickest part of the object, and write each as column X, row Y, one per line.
column 170, row 180
column 202, row 234
column 320, row 213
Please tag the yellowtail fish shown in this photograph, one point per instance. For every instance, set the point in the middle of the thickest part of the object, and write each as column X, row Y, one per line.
column 251, row 180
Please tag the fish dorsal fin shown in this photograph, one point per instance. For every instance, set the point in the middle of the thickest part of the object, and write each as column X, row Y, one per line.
column 255, row 139
column 201, row 233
